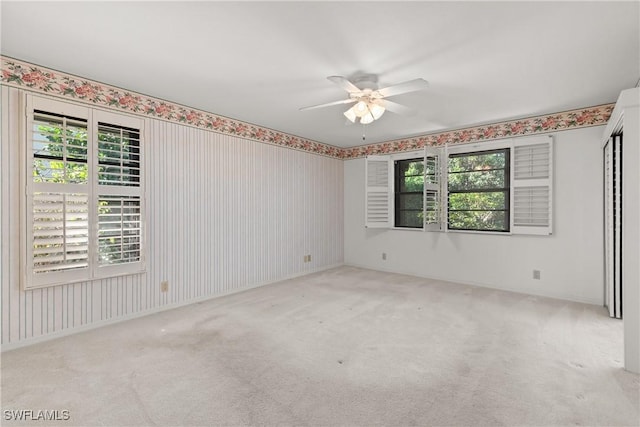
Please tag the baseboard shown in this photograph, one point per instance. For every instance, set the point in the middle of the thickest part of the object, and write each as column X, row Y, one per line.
column 84, row 328
column 559, row 296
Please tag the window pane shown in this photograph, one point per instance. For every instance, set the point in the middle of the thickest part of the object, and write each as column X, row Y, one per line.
column 479, row 220
column 409, row 187
column 118, row 155
column 477, row 180
column 409, row 201
column 119, row 229
column 409, row 218
column 59, row 147
column 477, row 161
column 478, row 191
column 412, row 184
column 411, row 167
column 477, row 201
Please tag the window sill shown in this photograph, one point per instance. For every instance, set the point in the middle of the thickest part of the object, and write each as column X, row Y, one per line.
column 52, row 284
column 407, row 229
column 491, row 233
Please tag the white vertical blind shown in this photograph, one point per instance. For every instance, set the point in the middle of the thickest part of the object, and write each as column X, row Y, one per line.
column 608, row 226
column 378, row 188
column 613, row 225
column 531, row 210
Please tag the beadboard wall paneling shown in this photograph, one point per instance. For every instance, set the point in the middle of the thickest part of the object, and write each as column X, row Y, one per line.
column 223, row 214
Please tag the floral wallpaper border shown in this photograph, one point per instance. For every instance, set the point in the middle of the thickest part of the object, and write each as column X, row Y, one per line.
column 585, row 117
column 32, row 77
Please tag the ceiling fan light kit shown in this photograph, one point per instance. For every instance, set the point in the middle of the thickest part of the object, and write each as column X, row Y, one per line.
column 351, row 115
column 366, row 119
column 376, row 110
column 369, row 104
column 367, row 111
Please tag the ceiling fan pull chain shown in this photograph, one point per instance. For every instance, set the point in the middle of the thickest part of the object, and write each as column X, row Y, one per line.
column 363, row 137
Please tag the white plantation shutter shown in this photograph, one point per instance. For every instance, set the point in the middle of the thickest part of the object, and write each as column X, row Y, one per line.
column 84, row 205
column 531, row 208
column 57, row 193
column 119, row 194
column 118, row 155
column 60, row 243
column 119, row 229
column 433, row 213
column 378, row 203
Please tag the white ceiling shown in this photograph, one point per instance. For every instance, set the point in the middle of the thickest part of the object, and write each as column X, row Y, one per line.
column 261, row 61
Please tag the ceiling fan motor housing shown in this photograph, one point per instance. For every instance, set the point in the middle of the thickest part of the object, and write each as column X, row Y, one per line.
column 365, row 81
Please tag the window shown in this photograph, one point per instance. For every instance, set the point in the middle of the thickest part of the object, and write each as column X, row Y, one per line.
column 409, row 193
column 84, row 200
column 478, row 191
column 119, row 203
column 503, row 186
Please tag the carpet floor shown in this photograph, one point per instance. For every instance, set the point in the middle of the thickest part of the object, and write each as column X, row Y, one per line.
column 344, row 347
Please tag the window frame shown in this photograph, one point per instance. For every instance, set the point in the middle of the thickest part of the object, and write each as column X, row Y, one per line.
column 531, row 164
column 506, row 190
column 94, row 270
column 397, row 185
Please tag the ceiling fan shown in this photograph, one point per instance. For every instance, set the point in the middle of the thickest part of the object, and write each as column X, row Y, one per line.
column 371, row 102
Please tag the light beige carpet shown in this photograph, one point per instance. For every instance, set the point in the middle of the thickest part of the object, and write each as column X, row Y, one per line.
column 345, row 347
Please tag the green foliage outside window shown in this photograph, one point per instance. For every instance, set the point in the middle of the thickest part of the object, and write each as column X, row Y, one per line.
column 409, row 211
column 60, row 156
column 479, row 191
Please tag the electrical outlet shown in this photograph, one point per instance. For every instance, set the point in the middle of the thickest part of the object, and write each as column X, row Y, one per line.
column 164, row 286
column 384, row 256
column 536, row 274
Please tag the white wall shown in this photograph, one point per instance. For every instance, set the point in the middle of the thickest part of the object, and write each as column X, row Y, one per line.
column 570, row 261
column 224, row 214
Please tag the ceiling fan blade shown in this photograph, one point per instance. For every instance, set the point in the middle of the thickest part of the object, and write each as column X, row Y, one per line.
column 394, row 107
column 328, row 104
column 344, row 84
column 400, row 88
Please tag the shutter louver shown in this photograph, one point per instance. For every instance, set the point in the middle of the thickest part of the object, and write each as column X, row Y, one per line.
column 60, row 232
column 59, row 149
column 119, row 229
column 433, row 189
column 377, row 192
column 531, row 206
column 532, row 186
column 118, row 155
